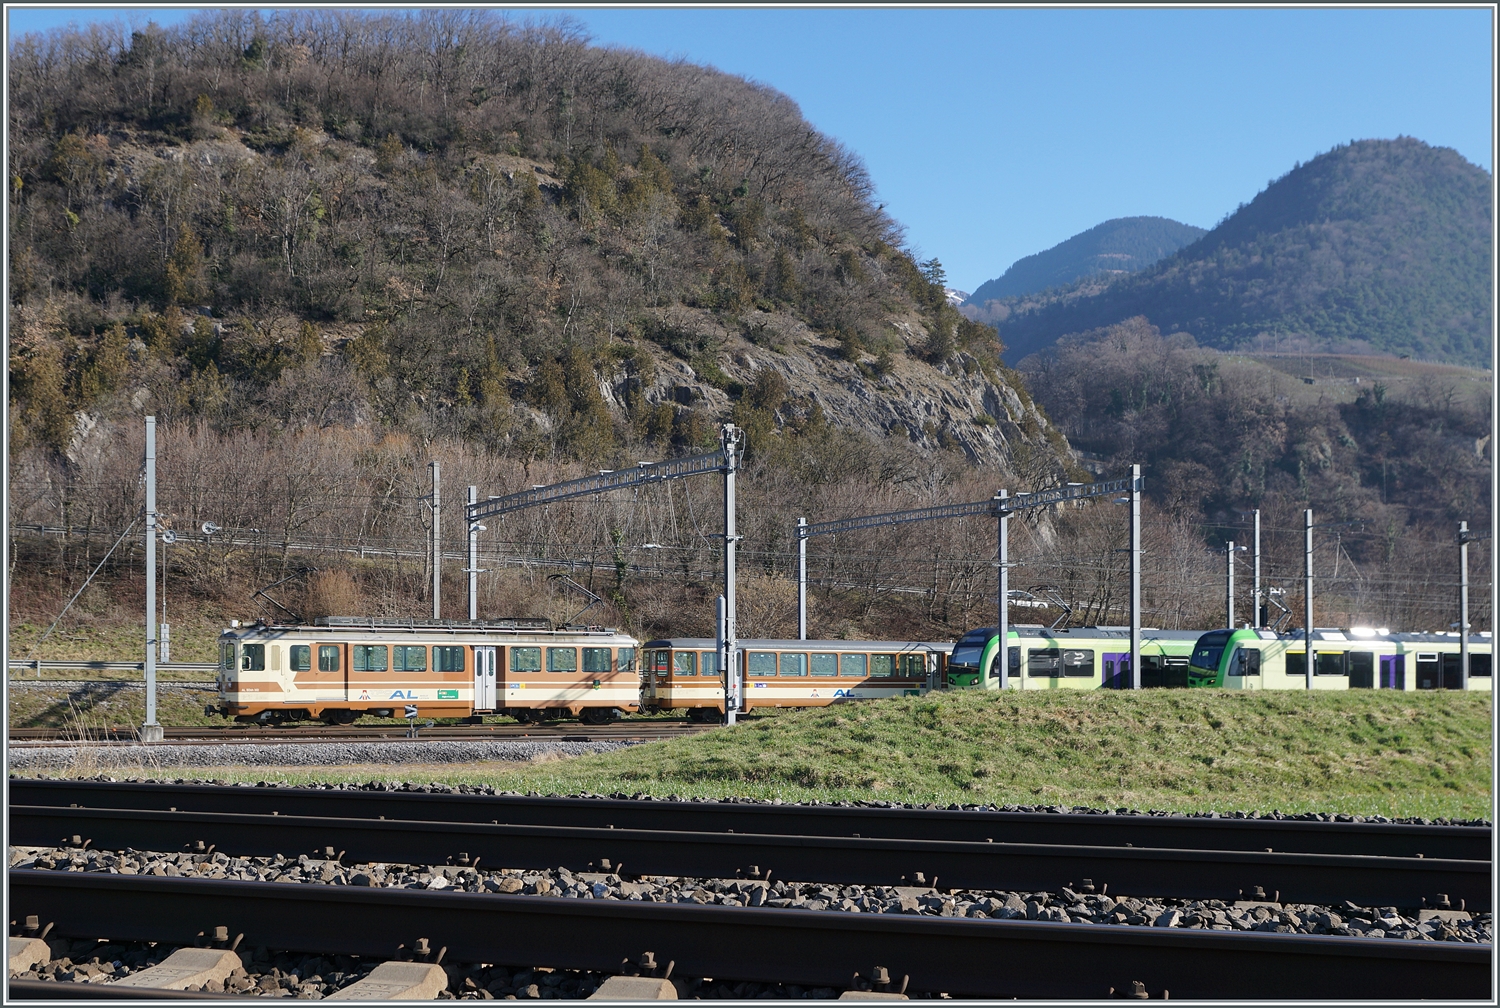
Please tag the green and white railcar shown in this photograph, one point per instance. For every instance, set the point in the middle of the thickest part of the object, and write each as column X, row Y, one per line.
column 1353, row 658
column 1080, row 658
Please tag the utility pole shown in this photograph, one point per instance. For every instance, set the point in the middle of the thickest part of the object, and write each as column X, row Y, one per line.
column 731, row 437
column 150, row 730
column 1307, row 588
column 801, row 579
column 1464, row 538
column 720, row 651
column 1002, row 553
column 1229, row 551
column 1135, row 577
column 1463, row 606
column 1229, row 584
column 1256, row 616
column 473, row 569
column 437, row 551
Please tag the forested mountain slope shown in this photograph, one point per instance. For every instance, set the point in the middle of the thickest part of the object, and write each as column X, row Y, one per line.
column 1119, row 246
column 1377, row 246
column 454, row 226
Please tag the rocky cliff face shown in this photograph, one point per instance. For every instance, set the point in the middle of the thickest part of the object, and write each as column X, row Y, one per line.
column 956, row 405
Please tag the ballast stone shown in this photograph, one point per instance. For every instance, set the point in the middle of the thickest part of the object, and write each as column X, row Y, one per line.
column 189, row 967
column 628, row 988
column 396, row 981
column 28, row 952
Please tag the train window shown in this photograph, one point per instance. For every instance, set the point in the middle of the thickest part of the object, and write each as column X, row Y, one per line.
column 853, row 665
column 825, row 664
column 882, row 666
column 1331, row 663
column 226, row 656
column 596, row 659
column 409, row 658
column 369, row 658
column 526, row 659
column 1479, row 664
column 1044, row 662
column 275, row 657
column 328, row 658
column 253, row 658
column 913, row 666
column 1078, row 663
column 1246, row 662
column 711, row 663
column 1296, row 663
column 685, row 663
column 761, row 663
column 794, row 664
column 562, row 659
column 301, row 657
column 625, row 659
column 448, row 659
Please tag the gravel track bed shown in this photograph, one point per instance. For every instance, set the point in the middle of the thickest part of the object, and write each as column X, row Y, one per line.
column 309, row 754
column 478, row 789
column 1065, row 906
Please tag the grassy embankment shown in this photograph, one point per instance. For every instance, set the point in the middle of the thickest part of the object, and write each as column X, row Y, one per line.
column 194, row 639
column 1353, row 752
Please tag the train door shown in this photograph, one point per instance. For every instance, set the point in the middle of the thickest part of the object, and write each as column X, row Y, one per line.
column 484, row 679
column 326, row 670
column 1429, row 670
column 1116, row 670
column 1393, row 672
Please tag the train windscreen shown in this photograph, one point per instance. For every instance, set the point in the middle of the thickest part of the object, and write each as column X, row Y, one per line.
column 970, row 647
column 1209, row 649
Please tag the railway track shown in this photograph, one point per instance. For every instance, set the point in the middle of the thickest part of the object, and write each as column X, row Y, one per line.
column 962, row 957
column 1470, row 843
column 852, row 860
column 573, row 732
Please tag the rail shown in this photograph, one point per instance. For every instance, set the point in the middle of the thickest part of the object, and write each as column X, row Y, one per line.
column 1325, row 879
column 1286, row 835
column 962, row 957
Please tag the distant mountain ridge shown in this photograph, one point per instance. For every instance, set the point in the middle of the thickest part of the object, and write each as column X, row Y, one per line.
column 1122, row 245
column 1375, row 246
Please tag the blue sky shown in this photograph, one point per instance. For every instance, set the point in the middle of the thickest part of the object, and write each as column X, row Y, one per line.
column 995, row 133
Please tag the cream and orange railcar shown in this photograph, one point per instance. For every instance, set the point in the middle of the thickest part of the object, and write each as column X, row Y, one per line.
column 339, row 668
column 683, row 672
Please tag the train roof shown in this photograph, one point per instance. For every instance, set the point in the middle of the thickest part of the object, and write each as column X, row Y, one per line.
column 1365, row 635
column 340, row 624
column 698, row 643
column 1092, row 633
